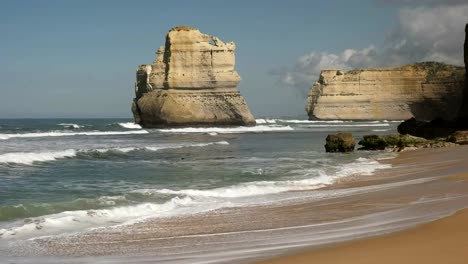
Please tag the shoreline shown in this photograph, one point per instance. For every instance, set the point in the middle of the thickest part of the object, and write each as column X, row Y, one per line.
column 446, row 236
column 440, row 241
column 414, row 191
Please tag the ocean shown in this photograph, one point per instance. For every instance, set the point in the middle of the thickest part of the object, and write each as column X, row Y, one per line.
column 71, row 176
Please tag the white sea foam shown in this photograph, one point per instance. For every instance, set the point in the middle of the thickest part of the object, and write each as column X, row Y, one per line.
column 70, row 125
column 350, row 125
column 380, row 130
column 250, row 188
column 228, row 130
column 29, row 158
column 265, row 121
column 361, row 166
column 186, row 201
column 67, row 134
column 130, row 125
column 80, row 220
column 312, row 121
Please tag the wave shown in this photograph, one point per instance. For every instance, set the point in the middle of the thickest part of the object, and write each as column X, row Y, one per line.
column 129, row 125
column 67, row 134
column 265, row 121
column 70, row 221
column 350, row 125
column 71, row 125
column 184, row 201
column 299, row 121
column 362, row 166
column 28, row 158
column 227, row 130
column 296, row 121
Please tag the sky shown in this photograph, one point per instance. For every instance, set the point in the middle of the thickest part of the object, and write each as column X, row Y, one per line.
column 77, row 59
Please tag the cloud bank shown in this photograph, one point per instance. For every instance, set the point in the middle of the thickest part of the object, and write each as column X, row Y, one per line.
column 434, row 32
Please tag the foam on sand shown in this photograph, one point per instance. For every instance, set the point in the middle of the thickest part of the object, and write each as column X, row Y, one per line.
column 80, row 220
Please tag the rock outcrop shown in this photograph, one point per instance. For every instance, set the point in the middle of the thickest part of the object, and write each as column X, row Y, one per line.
column 459, row 137
column 463, row 113
column 443, row 127
column 423, row 90
column 341, row 142
column 192, row 82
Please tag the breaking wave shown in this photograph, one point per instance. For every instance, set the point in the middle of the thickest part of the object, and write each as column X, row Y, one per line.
column 320, row 179
column 71, row 125
column 130, row 125
column 179, row 202
column 66, row 134
column 28, row 158
column 70, row 221
column 228, row 130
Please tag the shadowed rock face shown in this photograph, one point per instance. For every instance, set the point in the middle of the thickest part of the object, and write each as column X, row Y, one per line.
column 463, row 113
column 192, row 82
column 443, row 127
column 423, row 90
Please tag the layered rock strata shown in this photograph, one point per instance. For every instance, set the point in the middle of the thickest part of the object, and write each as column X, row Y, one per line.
column 192, row 82
column 423, row 90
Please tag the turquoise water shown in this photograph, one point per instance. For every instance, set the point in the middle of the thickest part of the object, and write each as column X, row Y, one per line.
column 61, row 176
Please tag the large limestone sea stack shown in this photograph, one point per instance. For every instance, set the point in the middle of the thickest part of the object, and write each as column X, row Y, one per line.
column 192, row 82
column 423, row 90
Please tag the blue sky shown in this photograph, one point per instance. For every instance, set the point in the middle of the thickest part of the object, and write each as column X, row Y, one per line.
column 78, row 58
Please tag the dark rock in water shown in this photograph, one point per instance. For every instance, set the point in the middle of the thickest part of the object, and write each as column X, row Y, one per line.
column 341, row 142
column 429, row 130
column 375, row 142
column 459, row 137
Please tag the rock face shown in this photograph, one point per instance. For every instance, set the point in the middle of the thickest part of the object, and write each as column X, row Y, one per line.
column 463, row 113
column 192, row 82
column 341, row 142
column 398, row 142
column 423, row 90
column 459, row 137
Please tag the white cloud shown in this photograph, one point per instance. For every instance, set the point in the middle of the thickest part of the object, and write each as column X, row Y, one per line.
column 434, row 33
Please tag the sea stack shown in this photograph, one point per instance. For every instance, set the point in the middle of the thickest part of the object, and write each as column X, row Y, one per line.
column 192, row 82
column 423, row 90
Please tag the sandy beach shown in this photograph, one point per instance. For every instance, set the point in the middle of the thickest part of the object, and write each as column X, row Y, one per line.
column 441, row 241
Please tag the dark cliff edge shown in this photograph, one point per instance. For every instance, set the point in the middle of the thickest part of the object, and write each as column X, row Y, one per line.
column 441, row 127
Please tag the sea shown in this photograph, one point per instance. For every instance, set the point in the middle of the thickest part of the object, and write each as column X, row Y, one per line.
column 69, row 176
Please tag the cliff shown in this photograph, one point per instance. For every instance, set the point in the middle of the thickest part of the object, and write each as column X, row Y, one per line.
column 192, row 81
column 423, row 90
column 463, row 113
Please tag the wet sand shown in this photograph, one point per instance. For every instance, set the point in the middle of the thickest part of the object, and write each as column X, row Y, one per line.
column 441, row 241
column 423, row 185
